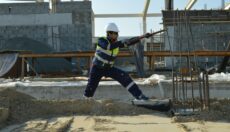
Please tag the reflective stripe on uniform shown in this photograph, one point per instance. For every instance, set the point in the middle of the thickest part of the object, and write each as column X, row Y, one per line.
column 105, row 51
column 130, row 85
column 103, row 60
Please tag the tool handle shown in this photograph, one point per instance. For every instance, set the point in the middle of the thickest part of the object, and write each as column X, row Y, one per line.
column 150, row 34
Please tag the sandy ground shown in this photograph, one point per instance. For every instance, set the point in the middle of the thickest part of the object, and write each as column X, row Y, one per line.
column 28, row 114
column 144, row 123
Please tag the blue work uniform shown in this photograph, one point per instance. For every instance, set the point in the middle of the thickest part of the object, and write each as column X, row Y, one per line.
column 105, row 55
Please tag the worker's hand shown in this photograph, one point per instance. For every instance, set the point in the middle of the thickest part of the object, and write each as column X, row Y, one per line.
column 147, row 35
column 132, row 41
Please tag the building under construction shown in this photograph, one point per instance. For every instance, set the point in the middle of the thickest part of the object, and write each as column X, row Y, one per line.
column 197, row 30
column 46, row 50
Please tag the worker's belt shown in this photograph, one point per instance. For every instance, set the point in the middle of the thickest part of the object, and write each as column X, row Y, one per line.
column 102, row 65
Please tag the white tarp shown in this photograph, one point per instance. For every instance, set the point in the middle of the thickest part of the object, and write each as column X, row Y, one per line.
column 7, row 61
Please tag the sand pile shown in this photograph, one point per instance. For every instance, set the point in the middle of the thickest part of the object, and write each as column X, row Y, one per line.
column 23, row 107
column 25, row 113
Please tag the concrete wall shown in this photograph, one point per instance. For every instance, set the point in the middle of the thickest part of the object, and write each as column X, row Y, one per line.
column 36, row 19
column 41, row 8
column 69, row 29
column 75, row 37
column 30, row 26
column 24, row 8
column 37, row 33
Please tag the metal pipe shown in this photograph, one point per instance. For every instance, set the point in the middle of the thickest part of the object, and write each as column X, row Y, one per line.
column 173, row 77
column 169, row 5
column 190, row 4
column 207, row 91
column 204, row 91
column 177, row 87
column 200, row 88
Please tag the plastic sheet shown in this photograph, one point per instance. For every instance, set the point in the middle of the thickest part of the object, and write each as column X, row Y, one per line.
column 7, row 61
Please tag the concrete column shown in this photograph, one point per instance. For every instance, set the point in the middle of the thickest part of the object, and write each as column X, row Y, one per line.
column 222, row 4
column 169, row 5
column 93, row 24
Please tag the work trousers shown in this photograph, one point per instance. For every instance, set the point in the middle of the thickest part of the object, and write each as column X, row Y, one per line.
column 122, row 77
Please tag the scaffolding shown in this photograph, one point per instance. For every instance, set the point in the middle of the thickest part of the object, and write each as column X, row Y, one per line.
column 156, row 43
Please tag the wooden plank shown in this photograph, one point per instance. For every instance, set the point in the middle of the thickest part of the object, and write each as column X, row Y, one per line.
column 184, row 54
column 128, row 54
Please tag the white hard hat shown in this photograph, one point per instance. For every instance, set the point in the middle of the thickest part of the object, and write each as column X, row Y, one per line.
column 111, row 27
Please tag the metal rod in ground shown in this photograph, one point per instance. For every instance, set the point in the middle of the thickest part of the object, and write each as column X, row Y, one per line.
column 173, row 80
column 200, row 88
column 192, row 90
column 179, row 87
column 206, row 97
column 185, row 82
column 191, row 80
column 207, row 91
column 183, row 91
column 204, row 92
column 186, row 87
column 176, row 89
column 183, row 87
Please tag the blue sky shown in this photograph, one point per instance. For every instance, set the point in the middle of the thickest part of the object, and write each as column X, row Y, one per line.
column 133, row 26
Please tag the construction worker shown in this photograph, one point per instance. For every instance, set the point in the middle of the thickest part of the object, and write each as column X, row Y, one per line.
column 107, row 49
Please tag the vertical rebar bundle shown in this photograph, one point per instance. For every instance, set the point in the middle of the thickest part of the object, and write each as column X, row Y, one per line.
column 187, row 79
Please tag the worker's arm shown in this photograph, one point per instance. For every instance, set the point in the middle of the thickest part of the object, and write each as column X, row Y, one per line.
column 117, row 44
column 125, row 43
column 135, row 40
column 103, row 43
column 131, row 41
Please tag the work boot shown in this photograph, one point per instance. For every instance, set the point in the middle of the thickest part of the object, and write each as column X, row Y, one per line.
column 87, row 98
column 142, row 97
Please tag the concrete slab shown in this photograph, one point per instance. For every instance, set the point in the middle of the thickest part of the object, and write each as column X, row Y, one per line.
column 75, row 90
column 62, row 90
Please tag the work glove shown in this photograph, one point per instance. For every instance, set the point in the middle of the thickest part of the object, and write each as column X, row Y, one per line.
column 147, row 35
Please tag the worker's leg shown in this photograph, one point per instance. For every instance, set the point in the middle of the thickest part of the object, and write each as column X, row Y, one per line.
column 125, row 80
column 95, row 76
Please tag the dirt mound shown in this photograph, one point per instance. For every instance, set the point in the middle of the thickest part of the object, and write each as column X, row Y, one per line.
column 23, row 107
column 12, row 94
